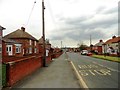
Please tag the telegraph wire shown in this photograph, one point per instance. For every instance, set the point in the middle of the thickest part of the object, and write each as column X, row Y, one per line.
column 30, row 13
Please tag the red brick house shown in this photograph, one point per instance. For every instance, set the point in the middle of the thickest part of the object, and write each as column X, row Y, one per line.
column 11, row 48
column 112, row 46
column 97, row 48
column 30, row 44
column 47, row 44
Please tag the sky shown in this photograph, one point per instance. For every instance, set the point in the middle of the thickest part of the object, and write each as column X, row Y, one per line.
column 67, row 22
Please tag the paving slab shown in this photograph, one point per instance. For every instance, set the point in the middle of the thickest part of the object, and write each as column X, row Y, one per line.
column 59, row 74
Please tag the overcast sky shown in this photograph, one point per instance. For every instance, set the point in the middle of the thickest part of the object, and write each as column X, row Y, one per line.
column 69, row 21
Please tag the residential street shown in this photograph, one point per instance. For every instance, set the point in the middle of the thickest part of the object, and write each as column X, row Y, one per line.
column 96, row 73
column 58, row 74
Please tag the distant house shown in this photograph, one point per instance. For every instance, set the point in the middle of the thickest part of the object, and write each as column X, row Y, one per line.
column 97, row 48
column 47, row 45
column 30, row 44
column 112, row 46
column 11, row 48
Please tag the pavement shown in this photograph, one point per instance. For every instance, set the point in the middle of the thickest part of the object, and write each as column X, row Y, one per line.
column 58, row 74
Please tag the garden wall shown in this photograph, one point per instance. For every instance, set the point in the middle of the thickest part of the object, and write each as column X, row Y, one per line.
column 16, row 70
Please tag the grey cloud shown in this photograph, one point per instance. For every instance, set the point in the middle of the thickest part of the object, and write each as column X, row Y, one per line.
column 111, row 11
column 105, row 10
column 80, row 34
column 80, row 28
column 100, row 9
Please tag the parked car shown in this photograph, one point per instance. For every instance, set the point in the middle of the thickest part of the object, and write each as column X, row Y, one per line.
column 84, row 52
column 89, row 54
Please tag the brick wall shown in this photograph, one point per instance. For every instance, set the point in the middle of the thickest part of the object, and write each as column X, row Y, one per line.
column 17, row 70
column 4, row 52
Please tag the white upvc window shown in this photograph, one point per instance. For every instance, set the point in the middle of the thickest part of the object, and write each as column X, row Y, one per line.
column 18, row 48
column 35, row 50
column 35, row 43
column 30, row 50
column 9, row 49
column 30, row 42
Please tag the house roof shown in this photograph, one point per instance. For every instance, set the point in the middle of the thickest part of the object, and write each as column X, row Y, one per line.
column 41, row 41
column 113, row 40
column 2, row 28
column 100, row 43
column 10, row 41
column 20, row 33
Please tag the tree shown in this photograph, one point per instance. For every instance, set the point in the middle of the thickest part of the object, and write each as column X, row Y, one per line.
column 82, row 46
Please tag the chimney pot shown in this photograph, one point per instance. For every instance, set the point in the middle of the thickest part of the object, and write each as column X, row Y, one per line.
column 101, row 40
column 23, row 29
column 114, row 37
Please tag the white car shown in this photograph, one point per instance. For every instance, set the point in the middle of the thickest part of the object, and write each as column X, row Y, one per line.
column 84, row 52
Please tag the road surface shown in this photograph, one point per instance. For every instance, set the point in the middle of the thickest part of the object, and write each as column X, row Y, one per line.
column 96, row 73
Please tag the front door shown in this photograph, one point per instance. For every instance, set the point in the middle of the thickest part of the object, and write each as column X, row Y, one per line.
column 9, row 50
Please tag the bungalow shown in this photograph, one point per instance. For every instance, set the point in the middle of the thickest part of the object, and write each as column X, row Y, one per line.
column 112, row 46
column 97, row 48
column 29, row 43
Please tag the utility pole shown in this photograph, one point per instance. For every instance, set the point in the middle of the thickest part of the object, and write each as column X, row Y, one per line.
column 90, row 43
column 90, row 40
column 44, row 46
column 61, row 44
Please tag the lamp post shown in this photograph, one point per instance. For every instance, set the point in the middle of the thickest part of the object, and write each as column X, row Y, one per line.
column 44, row 46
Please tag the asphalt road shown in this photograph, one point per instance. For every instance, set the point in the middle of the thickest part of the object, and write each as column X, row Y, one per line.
column 96, row 73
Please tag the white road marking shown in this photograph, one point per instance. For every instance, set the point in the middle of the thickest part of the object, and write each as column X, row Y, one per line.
column 82, row 83
column 106, row 67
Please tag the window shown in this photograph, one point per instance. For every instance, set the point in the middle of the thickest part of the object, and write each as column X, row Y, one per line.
column 18, row 49
column 30, row 50
column 30, row 41
column 35, row 50
column 7, row 49
column 35, row 43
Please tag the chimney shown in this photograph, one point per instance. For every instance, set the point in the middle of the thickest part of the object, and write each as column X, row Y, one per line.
column 23, row 29
column 101, row 40
column 113, row 37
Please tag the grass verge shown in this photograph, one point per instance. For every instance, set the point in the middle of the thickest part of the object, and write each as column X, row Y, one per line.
column 110, row 58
